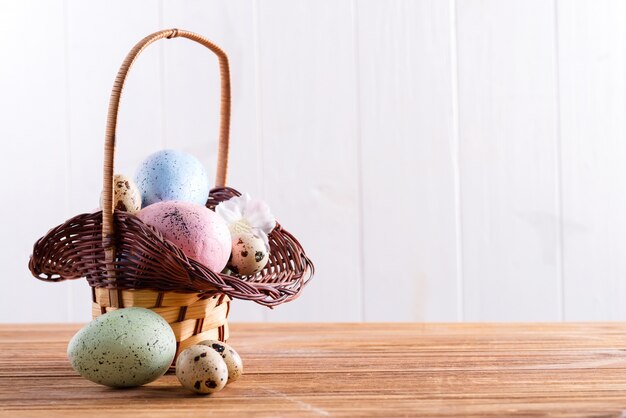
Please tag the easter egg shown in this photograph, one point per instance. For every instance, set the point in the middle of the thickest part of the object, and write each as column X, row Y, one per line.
column 172, row 175
column 123, row 348
column 126, row 195
column 249, row 254
column 230, row 356
column 201, row 369
column 199, row 232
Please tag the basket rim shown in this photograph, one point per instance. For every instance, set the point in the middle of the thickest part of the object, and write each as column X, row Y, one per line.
column 74, row 250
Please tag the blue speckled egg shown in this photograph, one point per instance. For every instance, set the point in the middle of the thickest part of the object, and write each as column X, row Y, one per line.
column 123, row 348
column 172, row 175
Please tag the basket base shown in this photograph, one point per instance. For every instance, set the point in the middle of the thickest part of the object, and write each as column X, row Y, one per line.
column 193, row 316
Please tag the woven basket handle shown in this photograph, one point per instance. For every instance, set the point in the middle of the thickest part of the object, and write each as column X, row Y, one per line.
column 108, row 227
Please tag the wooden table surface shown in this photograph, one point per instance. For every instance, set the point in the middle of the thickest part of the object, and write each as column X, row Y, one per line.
column 348, row 370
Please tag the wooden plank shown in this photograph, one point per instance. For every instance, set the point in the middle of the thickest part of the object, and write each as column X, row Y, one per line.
column 34, row 166
column 508, row 160
column 100, row 34
column 407, row 140
column 592, row 64
column 191, row 97
column 307, row 69
column 369, row 369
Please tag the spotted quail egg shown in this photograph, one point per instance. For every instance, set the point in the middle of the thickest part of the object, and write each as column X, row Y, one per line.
column 126, row 195
column 201, row 369
column 230, row 356
column 249, row 254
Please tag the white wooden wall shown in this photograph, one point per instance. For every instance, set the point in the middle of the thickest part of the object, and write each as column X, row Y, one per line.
column 440, row 160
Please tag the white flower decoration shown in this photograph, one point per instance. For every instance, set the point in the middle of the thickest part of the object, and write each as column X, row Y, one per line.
column 244, row 214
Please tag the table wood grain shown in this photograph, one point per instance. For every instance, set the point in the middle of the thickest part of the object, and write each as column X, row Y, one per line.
column 348, row 370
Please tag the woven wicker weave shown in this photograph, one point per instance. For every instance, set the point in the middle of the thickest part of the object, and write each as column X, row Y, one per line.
column 128, row 263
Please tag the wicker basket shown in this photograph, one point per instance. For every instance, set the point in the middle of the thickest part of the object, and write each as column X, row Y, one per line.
column 128, row 263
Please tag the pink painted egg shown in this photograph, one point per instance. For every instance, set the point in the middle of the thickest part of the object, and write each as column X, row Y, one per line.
column 199, row 232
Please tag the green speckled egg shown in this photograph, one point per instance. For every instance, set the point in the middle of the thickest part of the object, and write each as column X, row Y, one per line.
column 123, row 348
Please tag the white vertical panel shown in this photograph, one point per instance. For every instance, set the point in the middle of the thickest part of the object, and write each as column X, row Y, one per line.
column 100, row 35
column 508, row 172
column 191, row 92
column 310, row 151
column 325, row 76
column 406, row 125
column 592, row 68
column 33, row 132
